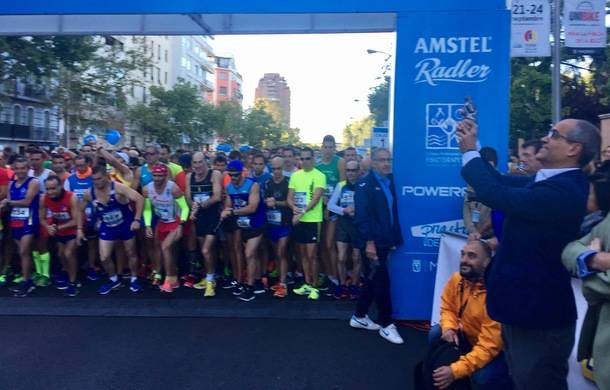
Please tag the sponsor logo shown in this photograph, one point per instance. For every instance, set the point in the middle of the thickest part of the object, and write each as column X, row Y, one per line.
column 585, row 12
column 436, row 229
column 441, row 125
column 530, row 36
column 433, row 71
column 434, row 191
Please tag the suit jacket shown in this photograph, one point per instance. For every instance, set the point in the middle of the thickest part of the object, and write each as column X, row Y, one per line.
column 372, row 218
column 527, row 284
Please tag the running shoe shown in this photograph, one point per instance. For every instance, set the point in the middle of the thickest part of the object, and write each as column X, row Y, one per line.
column 275, row 286
column 157, row 279
column 391, row 334
column 280, row 291
column 354, row 292
column 247, row 294
column 341, row 293
column 237, row 289
column 226, row 283
column 323, row 283
column 314, row 294
column 3, row 280
column 61, row 284
column 189, row 281
column 305, row 289
column 166, row 287
column 18, row 278
column 363, row 323
column 109, row 286
column 71, row 290
column 210, row 289
column 42, row 281
column 135, row 286
column 24, row 288
column 259, row 287
column 201, row 285
column 92, row 274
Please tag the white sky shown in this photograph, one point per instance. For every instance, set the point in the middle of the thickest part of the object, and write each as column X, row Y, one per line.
column 325, row 73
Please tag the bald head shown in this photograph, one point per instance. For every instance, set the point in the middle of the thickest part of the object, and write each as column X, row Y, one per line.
column 277, row 167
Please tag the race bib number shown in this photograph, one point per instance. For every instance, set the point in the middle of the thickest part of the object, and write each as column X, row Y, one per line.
column 476, row 216
column 347, row 199
column 300, row 200
column 164, row 212
column 80, row 193
column 20, row 213
column 200, row 198
column 274, row 217
column 113, row 218
column 329, row 190
column 244, row 222
column 62, row 216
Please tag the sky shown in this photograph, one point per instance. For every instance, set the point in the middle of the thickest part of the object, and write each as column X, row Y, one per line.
column 329, row 75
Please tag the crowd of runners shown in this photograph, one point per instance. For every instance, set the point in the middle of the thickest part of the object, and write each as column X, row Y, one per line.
column 275, row 221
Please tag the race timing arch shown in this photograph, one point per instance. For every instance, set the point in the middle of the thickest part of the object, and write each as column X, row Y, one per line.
column 445, row 50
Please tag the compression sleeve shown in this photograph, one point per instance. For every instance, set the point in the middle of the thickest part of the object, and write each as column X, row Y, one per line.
column 147, row 212
column 184, row 208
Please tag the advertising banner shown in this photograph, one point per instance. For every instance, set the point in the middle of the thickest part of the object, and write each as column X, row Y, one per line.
column 530, row 28
column 466, row 54
column 584, row 25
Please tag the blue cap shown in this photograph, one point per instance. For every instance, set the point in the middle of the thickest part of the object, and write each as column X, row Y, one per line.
column 235, row 166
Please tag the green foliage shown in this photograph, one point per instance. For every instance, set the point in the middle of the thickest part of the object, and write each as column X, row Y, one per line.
column 379, row 100
column 356, row 132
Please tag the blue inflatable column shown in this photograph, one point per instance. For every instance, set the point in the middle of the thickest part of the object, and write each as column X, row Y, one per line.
column 441, row 57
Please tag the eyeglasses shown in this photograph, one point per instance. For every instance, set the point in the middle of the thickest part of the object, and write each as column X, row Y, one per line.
column 352, row 170
column 276, row 169
column 306, row 158
column 555, row 134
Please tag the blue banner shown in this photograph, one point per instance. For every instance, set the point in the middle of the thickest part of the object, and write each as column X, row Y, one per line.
column 442, row 57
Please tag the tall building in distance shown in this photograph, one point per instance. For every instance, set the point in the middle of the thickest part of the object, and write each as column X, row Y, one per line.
column 228, row 82
column 192, row 62
column 274, row 88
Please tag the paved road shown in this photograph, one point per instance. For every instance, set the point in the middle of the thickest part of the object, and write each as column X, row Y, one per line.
column 46, row 352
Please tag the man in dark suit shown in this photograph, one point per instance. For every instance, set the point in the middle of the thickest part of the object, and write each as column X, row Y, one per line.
column 528, row 290
column 376, row 218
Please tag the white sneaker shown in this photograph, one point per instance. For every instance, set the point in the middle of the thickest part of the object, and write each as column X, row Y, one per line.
column 363, row 323
column 391, row 334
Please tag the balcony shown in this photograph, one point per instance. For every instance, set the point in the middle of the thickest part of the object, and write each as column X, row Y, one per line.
column 208, row 85
column 28, row 133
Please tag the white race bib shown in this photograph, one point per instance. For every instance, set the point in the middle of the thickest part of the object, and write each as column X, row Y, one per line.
column 200, row 198
column 274, row 217
column 113, row 218
column 244, row 222
column 20, row 213
column 347, row 199
column 476, row 216
column 300, row 200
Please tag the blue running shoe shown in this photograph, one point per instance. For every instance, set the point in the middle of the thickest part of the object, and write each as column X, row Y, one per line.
column 24, row 288
column 135, row 286
column 71, row 290
column 92, row 274
column 61, row 284
column 109, row 286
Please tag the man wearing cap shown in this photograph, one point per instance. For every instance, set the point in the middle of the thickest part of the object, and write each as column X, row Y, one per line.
column 164, row 197
column 244, row 203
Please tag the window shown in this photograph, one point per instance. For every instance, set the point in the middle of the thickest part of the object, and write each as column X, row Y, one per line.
column 145, row 72
column 152, row 74
column 47, row 119
column 144, row 98
column 159, row 52
column 165, row 78
column 17, row 114
column 158, row 75
column 222, row 75
column 165, row 55
column 132, row 91
column 152, row 49
column 183, row 62
column 223, row 91
column 30, row 116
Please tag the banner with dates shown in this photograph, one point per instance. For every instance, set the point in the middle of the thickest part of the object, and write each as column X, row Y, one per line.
column 530, row 28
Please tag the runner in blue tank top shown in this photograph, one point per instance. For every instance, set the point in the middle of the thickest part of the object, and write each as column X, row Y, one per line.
column 244, row 202
column 118, row 223
column 23, row 200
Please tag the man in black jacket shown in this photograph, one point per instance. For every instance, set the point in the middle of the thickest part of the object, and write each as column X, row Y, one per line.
column 528, row 289
column 376, row 219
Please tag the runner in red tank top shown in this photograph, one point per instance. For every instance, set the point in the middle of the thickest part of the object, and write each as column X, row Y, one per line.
column 58, row 209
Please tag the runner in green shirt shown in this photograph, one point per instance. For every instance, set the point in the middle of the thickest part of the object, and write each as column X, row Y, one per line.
column 304, row 198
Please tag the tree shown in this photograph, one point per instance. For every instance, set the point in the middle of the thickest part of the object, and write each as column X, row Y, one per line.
column 379, row 100
column 356, row 132
column 174, row 113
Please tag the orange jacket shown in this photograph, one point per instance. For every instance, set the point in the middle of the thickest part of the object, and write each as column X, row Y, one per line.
column 481, row 331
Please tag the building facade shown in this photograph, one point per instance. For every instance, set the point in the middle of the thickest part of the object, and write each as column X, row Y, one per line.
column 274, row 87
column 27, row 116
column 228, row 81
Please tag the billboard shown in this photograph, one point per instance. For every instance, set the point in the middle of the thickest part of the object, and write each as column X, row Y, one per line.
column 530, row 28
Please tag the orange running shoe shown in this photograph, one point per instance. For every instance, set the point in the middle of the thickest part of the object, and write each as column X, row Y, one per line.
column 280, row 290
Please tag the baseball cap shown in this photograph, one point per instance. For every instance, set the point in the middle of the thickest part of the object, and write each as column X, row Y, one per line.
column 235, row 166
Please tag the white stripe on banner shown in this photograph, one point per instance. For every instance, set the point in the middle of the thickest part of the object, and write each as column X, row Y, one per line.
column 449, row 262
